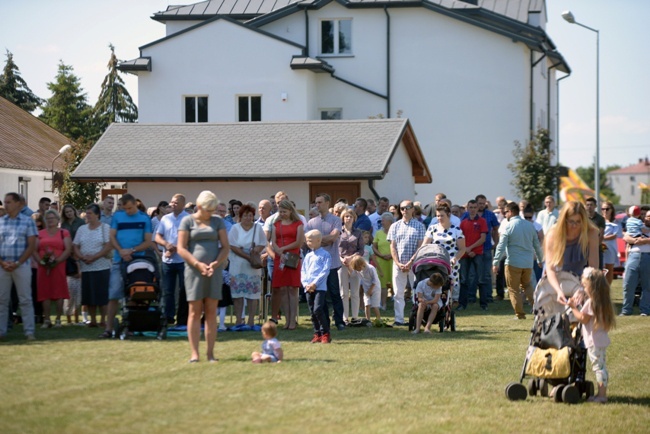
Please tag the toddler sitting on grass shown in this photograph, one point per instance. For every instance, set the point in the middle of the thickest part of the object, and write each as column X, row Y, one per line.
column 271, row 347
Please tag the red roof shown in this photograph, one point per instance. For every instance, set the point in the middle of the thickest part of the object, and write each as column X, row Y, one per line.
column 642, row 167
column 26, row 142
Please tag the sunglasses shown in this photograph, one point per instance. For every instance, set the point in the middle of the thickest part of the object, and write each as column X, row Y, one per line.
column 605, row 209
column 406, row 208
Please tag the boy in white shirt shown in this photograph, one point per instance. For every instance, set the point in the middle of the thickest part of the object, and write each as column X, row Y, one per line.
column 371, row 285
column 428, row 292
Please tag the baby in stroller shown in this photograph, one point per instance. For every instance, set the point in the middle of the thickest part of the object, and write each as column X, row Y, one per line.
column 432, row 259
column 428, row 293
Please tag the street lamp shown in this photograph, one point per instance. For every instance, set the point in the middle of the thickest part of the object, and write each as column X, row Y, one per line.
column 568, row 17
column 63, row 150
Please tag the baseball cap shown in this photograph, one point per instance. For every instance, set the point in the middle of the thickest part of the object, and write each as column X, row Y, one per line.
column 634, row 211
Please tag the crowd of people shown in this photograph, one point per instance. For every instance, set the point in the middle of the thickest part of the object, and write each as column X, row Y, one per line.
column 68, row 264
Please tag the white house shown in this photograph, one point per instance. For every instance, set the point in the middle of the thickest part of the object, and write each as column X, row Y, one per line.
column 628, row 182
column 29, row 154
column 253, row 160
column 472, row 77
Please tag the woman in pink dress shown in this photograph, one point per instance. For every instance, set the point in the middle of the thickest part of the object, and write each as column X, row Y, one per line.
column 287, row 237
column 54, row 247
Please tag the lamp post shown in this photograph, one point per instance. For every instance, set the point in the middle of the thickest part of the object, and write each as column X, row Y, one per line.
column 63, row 150
column 568, row 17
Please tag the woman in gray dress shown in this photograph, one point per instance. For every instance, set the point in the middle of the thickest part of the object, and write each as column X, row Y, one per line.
column 203, row 245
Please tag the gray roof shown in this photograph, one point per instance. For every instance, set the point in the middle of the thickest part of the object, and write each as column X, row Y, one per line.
column 249, row 151
column 514, row 9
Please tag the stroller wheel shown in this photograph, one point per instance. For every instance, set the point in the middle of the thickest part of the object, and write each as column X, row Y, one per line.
column 453, row 322
column 557, row 392
column 116, row 327
column 543, row 387
column 589, row 389
column 441, row 324
column 124, row 334
column 516, row 392
column 570, row 394
column 532, row 386
column 162, row 334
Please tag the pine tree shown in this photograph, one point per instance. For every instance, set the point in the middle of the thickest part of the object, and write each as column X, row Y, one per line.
column 534, row 175
column 114, row 103
column 67, row 110
column 15, row 89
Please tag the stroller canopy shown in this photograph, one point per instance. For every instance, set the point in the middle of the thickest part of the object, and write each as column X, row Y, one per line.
column 431, row 258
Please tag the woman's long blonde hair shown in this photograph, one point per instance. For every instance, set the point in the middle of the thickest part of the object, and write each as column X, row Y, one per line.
column 559, row 230
column 601, row 302
column 293, row 214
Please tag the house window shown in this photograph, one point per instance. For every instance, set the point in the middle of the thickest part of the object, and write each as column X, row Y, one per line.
column 196, row 109
column 336, row 36
column 250, row 108
column 330, row 114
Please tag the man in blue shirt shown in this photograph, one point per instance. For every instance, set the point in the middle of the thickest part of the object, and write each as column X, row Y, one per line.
column 519, row 243
column 363, row 222
column 130, row 236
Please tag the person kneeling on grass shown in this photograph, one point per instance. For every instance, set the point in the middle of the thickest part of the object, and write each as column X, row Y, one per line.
column 313, row 276
column 370, row 283
column 271, row 347
column 428, row 293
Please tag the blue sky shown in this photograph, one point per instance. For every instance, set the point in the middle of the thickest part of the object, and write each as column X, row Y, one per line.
column 41, row 32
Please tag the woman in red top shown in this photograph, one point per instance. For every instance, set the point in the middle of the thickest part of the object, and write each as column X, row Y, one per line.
column 54, row 247
column 288, row 235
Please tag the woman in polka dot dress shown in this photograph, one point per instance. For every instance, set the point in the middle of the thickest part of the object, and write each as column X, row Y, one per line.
column 451, row 238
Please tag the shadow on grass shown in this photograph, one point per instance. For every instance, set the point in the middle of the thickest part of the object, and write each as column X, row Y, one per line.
column 629, row 400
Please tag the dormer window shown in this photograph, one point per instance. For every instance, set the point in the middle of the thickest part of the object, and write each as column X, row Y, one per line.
column 336, row 37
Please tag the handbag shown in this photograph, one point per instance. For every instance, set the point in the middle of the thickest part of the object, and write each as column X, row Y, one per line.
column 254, row 257
column 549, row 363
column 289, row 259
column 554, row 332
column 71, row 266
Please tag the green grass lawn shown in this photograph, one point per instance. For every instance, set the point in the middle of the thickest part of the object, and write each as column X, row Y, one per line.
column 374, row 380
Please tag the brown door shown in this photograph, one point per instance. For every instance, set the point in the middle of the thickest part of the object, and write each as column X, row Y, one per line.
column 115, row 192
column 336, row 190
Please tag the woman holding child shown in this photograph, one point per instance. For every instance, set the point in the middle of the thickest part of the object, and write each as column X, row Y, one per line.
column 350, row 245
column 203, row 245
column 287, row 237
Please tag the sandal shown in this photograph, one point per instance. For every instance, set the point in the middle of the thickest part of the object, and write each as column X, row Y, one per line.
column 194, row 360
column 106, row 335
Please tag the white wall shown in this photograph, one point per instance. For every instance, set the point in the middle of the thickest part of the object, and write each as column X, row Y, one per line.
column 398, row 184
column 35, row 188
column 627, row 186
column 222, row 60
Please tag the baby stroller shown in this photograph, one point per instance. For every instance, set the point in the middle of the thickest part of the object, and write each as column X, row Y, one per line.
column 556, row 356
column 142, row 310
column 429, row 259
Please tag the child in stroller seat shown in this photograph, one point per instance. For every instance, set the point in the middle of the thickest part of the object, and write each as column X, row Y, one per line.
column 428, row 293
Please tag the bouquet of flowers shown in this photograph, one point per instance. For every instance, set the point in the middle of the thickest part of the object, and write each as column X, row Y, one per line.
column 48, row 260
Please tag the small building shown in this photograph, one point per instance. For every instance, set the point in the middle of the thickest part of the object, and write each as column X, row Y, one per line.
column 629, row 182
column 251, row 161
column 28, row 154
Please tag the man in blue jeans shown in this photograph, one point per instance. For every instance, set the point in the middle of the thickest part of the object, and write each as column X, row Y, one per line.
column 330, row 226
column 637, row 271
column 173, row 266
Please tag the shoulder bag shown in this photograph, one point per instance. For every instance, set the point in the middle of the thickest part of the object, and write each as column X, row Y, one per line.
column 71, row 266
column 254, row 257
column 289, row 259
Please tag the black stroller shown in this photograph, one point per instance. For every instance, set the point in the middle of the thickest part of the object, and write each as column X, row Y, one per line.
column 556, row 356
column 432, row 258
column 142, row 310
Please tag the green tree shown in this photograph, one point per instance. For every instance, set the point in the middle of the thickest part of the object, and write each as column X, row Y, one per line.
column 587, row 175
column 15, row 89
column 77, row 193
column 67, row 110
column 534, row 175
column 115, row 103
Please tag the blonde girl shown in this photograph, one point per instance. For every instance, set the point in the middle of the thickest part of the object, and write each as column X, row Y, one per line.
column 597, row 315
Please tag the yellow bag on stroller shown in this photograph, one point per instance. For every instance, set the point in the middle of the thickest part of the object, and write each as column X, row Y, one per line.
column 549, row 363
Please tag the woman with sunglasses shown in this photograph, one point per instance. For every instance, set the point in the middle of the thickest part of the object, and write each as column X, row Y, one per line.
column 571, row 245
column 612, row 231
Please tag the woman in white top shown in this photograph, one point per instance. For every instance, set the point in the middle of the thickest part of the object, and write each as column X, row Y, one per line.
column 92, row 246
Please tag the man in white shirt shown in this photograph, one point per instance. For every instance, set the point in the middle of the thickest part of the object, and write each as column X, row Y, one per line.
column 173, row 266
column 548, row 216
